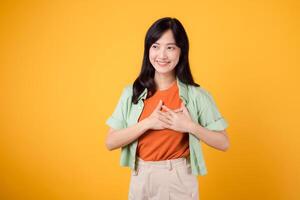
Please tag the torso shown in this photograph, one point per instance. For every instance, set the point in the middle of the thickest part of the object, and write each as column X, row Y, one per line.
column 164, row 144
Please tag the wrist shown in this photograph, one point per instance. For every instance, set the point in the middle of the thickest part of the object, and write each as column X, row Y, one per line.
column 192, row 127
column 146, row 124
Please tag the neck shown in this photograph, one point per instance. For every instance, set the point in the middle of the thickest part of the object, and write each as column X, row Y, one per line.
column 163, row 81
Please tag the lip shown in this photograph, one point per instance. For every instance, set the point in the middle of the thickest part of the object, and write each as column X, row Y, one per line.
column 163, row 63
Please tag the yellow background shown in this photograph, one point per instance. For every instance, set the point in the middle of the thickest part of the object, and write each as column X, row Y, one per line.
column 65, row 63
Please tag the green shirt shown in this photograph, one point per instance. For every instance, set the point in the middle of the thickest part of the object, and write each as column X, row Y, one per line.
column 200, row 105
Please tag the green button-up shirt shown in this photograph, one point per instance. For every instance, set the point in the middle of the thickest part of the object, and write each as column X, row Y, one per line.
column 200, row 105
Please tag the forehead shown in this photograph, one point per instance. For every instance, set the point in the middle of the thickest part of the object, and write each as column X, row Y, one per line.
column 166, row 38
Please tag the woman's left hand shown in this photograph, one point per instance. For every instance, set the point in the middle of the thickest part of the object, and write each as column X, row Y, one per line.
column 179, row 120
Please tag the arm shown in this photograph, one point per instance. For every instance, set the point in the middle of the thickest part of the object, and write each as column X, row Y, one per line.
column 210, row 126
column 183, row 122
column 215, row 139
column 123, row 137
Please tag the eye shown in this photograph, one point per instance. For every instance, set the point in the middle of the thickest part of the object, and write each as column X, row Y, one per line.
column 171, row 48
column 154, row 46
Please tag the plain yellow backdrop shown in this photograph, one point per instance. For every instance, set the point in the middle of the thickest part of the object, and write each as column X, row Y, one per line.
column 65, row 63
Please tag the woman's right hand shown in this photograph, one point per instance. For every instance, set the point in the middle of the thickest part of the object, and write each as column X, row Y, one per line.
column 158, row 120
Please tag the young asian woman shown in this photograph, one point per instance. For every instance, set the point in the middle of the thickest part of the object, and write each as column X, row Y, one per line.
column 162, row 118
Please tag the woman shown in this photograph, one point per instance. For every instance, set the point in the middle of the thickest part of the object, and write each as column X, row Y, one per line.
column 160, row 119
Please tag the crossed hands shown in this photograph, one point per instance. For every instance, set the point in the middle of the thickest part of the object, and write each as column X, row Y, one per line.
column 178, row 120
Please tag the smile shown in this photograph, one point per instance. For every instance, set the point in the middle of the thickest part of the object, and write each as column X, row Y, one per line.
column 163, row 63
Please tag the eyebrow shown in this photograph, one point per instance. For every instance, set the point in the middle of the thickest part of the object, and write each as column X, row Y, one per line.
column 166, row 44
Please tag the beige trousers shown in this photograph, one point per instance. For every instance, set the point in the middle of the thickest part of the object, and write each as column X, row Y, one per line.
column 163, row 180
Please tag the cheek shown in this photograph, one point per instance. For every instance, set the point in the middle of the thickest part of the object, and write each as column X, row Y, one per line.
column 175, row 56
column 151, row 55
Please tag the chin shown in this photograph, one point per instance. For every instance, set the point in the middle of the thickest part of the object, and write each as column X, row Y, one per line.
column 163, row 69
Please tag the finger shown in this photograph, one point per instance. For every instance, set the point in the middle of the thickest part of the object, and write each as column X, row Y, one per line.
column 166, row 114
column 178, row 110
column 165, row 120
column 168, row 109
column 158, row 107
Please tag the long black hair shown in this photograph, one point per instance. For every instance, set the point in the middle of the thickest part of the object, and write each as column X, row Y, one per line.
column 182, row 69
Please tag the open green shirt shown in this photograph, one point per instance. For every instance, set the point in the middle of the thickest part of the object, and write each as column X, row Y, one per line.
column 200, row 105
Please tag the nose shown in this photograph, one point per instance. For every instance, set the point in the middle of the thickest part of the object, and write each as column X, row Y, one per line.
column 162, row 54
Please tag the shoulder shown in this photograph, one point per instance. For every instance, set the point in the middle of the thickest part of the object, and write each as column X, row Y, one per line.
column 127, row 91
column 128, row 88
column 199, row 93
column 204, row 100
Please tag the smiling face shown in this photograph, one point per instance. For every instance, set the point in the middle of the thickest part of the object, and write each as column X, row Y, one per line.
column 164, row 54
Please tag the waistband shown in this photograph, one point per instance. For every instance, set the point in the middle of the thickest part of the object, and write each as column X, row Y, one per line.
column 163, row 164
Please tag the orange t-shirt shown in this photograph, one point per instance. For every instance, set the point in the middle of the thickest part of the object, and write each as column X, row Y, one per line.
column 163, row 144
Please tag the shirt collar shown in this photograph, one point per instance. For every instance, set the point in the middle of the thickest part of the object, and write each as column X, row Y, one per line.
column 182, row 87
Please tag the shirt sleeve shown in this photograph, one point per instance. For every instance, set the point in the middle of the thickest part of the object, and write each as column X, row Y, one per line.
column 118, row 118
column 209, row 116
